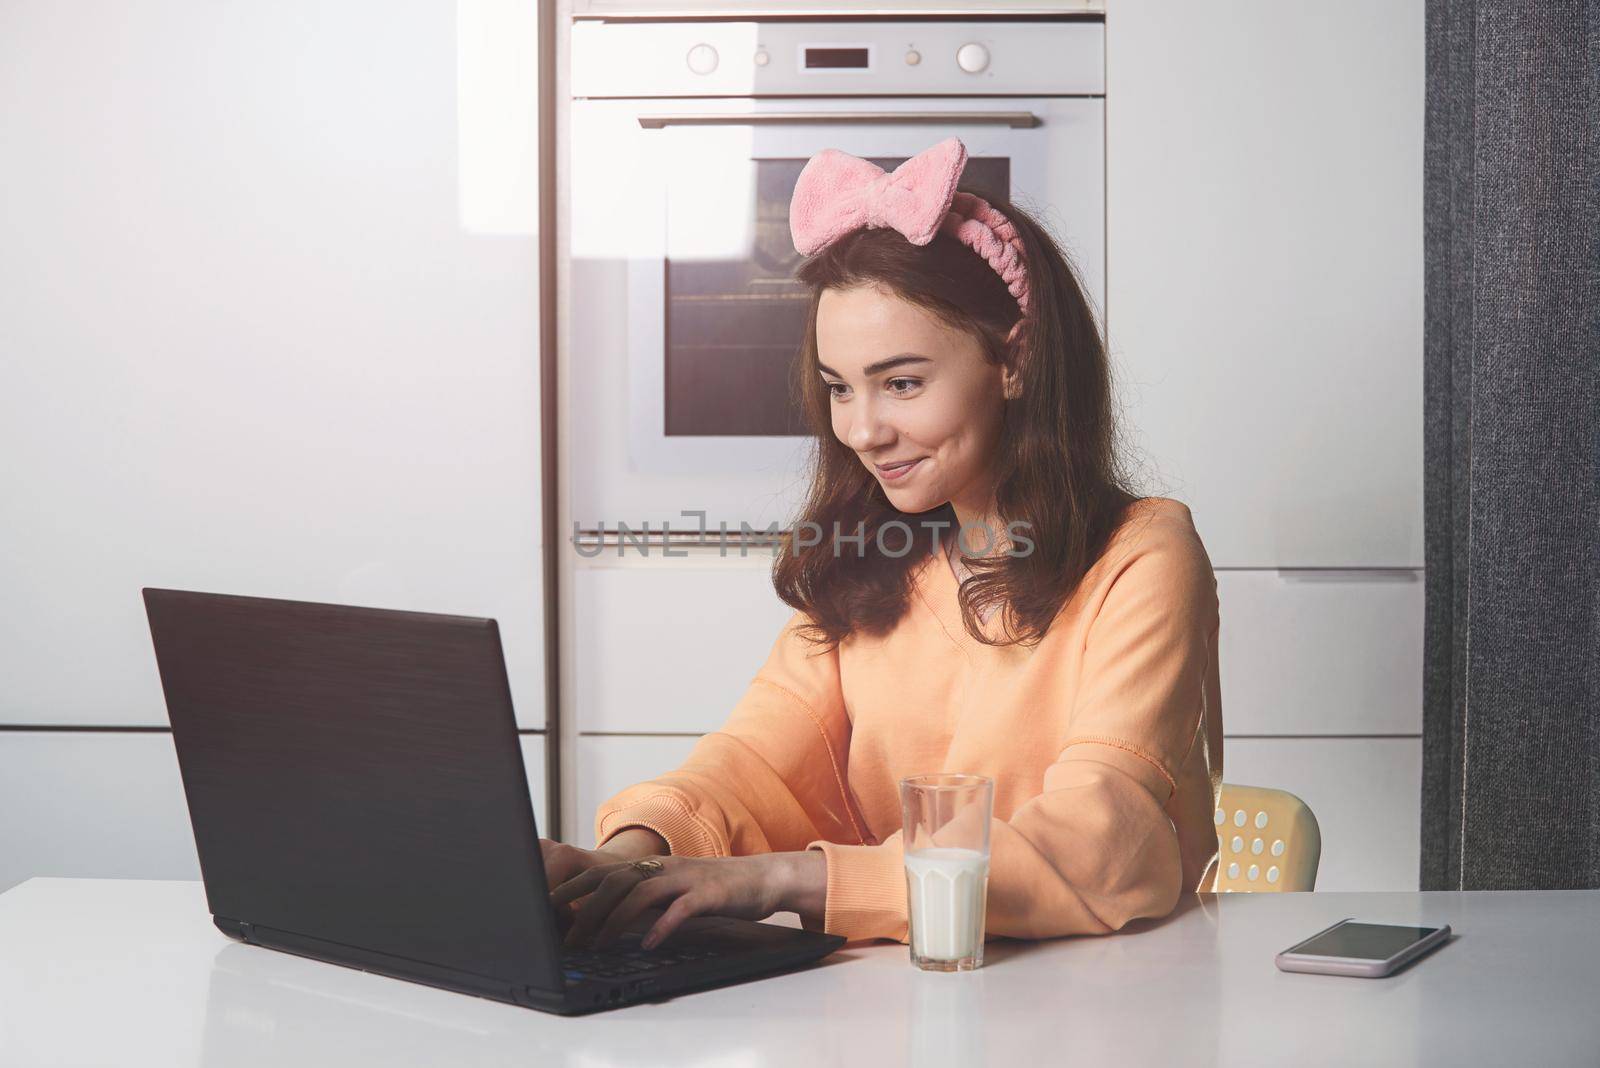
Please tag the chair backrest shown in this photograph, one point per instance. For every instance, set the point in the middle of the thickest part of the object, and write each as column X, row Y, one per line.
column 1267, row 841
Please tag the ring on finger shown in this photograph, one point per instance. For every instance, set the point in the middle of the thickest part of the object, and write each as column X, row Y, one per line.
column 647, row 866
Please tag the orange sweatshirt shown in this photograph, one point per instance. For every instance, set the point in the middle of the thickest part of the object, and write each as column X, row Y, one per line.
column 1104, row 742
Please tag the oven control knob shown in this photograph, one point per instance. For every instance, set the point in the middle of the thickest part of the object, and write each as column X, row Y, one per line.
column 972, row 57
column 702, row 59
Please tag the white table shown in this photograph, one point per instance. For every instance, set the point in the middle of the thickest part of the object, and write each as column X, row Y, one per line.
column 127, row 972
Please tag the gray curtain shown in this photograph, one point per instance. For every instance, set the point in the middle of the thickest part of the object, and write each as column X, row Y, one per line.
column 1511, row 723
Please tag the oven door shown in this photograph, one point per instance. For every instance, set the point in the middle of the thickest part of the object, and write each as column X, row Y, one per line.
column 685, row 316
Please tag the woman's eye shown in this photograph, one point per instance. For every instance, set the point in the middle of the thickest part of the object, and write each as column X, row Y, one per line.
column 897, row 386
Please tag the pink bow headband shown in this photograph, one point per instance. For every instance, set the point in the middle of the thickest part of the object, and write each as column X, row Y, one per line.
column 838, row 193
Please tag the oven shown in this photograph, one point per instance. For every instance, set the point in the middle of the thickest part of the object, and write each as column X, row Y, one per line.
column 686, row 141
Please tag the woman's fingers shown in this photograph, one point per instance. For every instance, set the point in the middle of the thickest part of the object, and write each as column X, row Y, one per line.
column 680, row 910
column 648, row 894
column 583, row 882
column 614, row 886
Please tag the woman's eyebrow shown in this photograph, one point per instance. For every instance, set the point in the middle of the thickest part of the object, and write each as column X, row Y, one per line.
column 882, row 365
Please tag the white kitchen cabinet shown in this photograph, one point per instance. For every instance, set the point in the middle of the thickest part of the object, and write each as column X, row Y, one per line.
column 607, row 765
column 670, row 645
column 267, row 328
column 1322, row 652
column 1264, row 271
column 1365, row 792
column 110, row 804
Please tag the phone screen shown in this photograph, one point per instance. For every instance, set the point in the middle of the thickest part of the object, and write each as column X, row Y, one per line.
column 1367, row 941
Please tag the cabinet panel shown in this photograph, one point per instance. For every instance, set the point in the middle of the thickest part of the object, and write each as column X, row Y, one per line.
column 1321, row 652
column 608, row 765
column 670, row 645
column 92, row 805
column 1366, row 794
column 289, row 352
column 1264, row 271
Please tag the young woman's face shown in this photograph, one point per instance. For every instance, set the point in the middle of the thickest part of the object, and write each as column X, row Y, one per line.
column 907, row 387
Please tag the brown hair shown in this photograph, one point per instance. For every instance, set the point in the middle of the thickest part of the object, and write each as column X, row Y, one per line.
column 1059, row 477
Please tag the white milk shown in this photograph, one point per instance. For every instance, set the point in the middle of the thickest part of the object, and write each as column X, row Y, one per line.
column 947, row 890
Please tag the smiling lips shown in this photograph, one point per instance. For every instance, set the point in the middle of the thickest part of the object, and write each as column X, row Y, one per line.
column 898, row 469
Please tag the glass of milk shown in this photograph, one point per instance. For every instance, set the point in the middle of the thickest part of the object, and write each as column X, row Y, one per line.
column 946, row 831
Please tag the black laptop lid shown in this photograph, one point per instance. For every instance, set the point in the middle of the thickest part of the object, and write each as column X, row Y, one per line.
column 354, row 774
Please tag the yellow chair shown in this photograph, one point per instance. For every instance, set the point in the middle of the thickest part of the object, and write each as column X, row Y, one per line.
column 1267, row 841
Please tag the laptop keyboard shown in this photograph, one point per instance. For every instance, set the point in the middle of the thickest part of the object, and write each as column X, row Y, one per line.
column 626, row 958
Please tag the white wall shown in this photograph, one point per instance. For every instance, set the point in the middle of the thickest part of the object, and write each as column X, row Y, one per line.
column 268, row 326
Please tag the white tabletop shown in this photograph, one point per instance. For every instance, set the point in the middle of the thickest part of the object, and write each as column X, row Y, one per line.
column 132, row 973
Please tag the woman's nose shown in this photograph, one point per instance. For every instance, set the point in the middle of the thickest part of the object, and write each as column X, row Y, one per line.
column 868, row 431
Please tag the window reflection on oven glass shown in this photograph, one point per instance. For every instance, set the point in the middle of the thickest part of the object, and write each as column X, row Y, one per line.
column 734, row 318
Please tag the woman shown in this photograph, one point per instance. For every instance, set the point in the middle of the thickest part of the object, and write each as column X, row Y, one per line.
column 975, row 591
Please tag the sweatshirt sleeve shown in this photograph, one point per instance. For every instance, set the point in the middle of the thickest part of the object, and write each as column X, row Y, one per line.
column 1094, row 849
column 771, row 779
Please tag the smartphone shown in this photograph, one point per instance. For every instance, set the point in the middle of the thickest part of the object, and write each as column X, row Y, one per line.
column 1365, row 949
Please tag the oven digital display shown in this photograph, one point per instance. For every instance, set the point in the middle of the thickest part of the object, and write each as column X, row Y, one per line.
column 837, row 58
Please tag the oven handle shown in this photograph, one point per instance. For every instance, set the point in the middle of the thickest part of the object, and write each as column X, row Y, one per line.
column 1014, row 119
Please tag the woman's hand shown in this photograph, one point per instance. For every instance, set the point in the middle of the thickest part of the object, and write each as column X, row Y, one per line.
column 749, row 887
column 562, row 861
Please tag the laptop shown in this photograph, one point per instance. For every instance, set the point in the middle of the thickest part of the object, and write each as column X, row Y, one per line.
column 357, row 793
